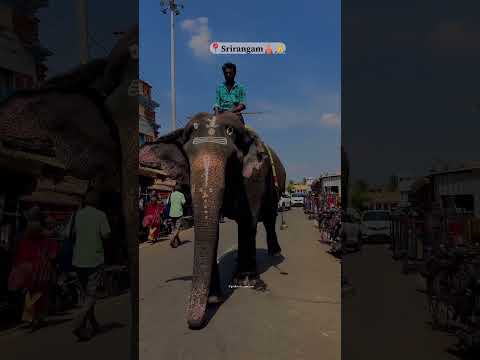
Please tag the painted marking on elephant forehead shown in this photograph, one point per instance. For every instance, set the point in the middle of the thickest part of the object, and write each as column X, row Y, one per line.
column 212, row 123
column 206, row 164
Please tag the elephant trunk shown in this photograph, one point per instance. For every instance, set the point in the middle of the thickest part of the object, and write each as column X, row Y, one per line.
column 208, row 183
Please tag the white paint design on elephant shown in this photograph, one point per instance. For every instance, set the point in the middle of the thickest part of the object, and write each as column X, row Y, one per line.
column 206, row 164
column 212, row 123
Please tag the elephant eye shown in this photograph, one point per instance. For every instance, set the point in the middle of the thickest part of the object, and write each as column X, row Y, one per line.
column 229, row 131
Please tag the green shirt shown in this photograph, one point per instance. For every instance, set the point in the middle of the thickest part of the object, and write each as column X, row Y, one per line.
column 226, row 100
column 177, row 200
column 91, row 227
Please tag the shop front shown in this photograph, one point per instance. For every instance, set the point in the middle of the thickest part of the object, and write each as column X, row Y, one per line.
column 19, row 173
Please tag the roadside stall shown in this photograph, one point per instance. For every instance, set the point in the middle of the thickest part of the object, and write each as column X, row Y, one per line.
column 19, row 170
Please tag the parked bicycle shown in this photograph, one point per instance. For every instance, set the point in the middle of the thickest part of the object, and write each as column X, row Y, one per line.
column 453, row 292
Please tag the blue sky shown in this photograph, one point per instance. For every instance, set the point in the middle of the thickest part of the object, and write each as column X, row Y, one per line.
column 299, row 91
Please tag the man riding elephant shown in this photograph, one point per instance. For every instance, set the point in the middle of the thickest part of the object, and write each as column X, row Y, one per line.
column 230, row 95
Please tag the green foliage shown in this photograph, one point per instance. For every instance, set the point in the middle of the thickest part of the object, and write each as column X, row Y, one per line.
column 359, row 195
column 290, row 186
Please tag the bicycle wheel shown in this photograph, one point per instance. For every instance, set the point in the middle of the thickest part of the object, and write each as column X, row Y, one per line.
column 441, row 309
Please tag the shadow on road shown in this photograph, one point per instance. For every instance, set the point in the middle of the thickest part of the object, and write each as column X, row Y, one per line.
column 227, row 266
column 106, row 328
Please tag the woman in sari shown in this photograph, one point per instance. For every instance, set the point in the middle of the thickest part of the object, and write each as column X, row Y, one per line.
column 33, row 269
column 153, row 218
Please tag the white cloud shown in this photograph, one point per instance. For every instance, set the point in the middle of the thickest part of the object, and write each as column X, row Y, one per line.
column 320, row 111
column 331, row 120
column 200, row 36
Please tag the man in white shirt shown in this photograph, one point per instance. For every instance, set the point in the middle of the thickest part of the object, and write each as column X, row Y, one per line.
column 91, row 228
column 177, row 202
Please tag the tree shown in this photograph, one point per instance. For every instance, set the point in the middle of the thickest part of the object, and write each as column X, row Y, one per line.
column 359, row 195
column 290, row 186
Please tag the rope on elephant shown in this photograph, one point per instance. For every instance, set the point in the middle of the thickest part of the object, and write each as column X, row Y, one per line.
column 248, row 127
column 273, row 165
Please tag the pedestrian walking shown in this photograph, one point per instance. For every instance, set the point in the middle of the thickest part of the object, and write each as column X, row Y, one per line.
column 89, row 226
column 33, row 269
column 153, row 218
column 177, row 202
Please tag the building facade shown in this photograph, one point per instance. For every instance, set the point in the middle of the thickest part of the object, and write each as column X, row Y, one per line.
column 147, row 124
column 22, row 57
column 383, row 200
column 405, row 183
column 331, row 184
column 458, row 189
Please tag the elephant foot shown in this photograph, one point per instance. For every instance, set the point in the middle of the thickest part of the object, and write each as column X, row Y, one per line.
column 215, row 299
column 244, row 279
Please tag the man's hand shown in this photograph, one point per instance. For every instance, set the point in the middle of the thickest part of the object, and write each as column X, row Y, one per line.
column 239, row 108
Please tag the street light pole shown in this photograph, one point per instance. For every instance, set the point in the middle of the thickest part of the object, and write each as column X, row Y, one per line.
column 174, row 8
column 172, row 67
column 83, row 30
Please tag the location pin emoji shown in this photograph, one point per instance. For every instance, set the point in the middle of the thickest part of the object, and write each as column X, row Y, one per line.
column 268, row 50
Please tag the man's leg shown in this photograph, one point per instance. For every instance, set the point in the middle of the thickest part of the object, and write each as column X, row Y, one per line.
column 91, row 280
column 175, row 239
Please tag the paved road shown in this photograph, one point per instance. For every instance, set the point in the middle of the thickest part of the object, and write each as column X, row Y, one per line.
column 387, row 318
column 298, row 317
column 57, row 341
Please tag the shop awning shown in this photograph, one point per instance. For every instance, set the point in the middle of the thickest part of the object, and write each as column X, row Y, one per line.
column 150, row 172
column 27, row 162
column 161, row 187
column 52, row 198
column 68, row 185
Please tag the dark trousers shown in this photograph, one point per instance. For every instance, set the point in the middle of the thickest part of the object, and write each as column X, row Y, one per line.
column 90, row 279
column 177, row 224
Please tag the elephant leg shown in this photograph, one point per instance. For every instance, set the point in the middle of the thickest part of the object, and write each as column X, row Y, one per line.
column 247, row 266
column 272, row 240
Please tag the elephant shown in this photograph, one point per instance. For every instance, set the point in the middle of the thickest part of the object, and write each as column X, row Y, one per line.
column 85, row 118
column 228, row 173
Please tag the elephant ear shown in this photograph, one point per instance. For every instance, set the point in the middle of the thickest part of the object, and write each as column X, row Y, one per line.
column 166, row 154
column 254, row 154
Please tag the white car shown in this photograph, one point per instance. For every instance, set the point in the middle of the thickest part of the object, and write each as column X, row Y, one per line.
column 376, row 225
column 285, row 202
column 297, row 199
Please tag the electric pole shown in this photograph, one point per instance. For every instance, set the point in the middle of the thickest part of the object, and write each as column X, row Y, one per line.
column 174, row 8
column 83, row 30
